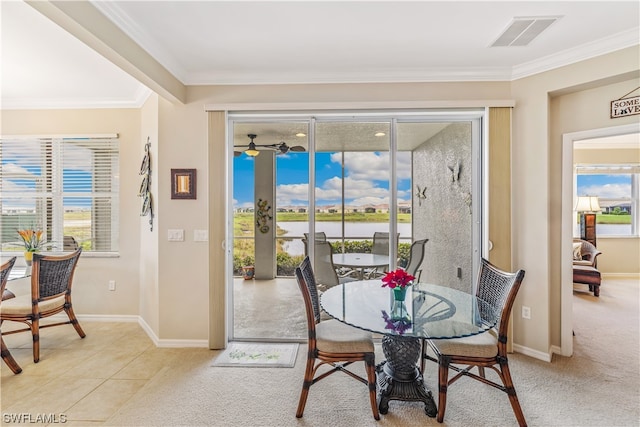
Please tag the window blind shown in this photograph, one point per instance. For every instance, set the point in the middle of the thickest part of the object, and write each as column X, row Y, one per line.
column 66, row 187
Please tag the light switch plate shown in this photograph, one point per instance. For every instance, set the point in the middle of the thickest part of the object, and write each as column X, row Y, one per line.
column 200, row 235
column 176, row 235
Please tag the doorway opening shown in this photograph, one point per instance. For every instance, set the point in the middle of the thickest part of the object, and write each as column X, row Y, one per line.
column 569, row 192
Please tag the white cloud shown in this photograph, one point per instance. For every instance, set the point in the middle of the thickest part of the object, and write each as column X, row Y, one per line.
column 609, row 191
column 374, row 166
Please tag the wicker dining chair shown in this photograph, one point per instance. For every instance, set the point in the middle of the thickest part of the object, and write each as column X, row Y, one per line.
column 332, row 343
column 486, row 350
column 51, row 280
column 5, row 269
column 416, row 256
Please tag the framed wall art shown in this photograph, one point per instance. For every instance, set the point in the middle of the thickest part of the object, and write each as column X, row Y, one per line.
column 183, row 183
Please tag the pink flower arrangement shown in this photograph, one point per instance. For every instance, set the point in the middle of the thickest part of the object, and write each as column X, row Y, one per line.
column 397, row 278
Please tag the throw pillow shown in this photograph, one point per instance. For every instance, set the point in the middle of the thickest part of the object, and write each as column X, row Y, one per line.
column 577, row 253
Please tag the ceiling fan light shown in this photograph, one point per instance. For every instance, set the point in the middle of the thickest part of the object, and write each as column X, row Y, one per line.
column 251, row 152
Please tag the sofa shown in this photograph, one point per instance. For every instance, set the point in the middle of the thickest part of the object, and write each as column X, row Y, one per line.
column 585, row 265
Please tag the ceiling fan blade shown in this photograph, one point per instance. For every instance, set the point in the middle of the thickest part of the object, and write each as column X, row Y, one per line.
column 297, row 148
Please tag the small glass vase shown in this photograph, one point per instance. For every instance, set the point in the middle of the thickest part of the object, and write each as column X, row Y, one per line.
column 399, row 309
column 28, row 257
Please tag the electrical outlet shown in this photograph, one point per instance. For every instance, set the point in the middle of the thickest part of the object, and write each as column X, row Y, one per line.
column 526, row 312
column 112, row 285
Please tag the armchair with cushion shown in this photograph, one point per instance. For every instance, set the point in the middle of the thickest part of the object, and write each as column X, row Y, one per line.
column 585, row 265
column 584, row 253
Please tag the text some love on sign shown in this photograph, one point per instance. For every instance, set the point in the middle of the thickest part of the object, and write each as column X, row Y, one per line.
column 625, row 107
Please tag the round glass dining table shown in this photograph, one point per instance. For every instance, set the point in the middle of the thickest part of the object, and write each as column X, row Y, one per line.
column 428, row 312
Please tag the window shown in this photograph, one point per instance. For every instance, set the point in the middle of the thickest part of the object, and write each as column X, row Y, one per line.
column 616, row 187
column 66, row 187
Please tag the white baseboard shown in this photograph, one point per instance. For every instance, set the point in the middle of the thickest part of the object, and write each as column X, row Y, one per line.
column 126, row 318
column 546, row 357
column 621, row 276
column 165, row 343
column 171, row 343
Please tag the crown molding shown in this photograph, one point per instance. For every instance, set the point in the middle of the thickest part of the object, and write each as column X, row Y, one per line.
column 136, row 101
column 586, row 51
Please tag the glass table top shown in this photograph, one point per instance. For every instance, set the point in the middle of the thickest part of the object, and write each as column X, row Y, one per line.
column 432, row 311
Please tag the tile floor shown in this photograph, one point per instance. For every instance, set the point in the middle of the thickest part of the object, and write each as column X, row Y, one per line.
column 88, row 379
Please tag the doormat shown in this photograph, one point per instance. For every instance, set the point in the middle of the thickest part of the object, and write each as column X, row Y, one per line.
column 258, row 355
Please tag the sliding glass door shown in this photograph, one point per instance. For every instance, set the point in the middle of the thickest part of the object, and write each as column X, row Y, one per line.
column 346, row 177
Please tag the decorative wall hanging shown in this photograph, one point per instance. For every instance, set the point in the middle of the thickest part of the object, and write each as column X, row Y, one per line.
column 623, row 107
column 420, row 194
column 183, row 183
column 263, row 216
column 455, row 171
column 145, row 185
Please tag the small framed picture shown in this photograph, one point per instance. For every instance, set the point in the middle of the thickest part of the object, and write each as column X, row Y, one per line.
column 183, row 183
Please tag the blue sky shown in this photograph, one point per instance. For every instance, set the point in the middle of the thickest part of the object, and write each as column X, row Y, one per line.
column 604, row 186
column 366, row 179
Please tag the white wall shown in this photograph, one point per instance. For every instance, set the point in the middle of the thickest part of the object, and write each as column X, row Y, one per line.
column 183, row 276
column 537, row 160
column 90, row 291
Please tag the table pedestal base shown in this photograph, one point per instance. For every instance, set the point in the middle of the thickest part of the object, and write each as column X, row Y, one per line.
column 399, row 377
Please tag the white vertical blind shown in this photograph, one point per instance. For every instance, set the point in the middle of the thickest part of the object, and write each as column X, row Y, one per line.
column 67, row 187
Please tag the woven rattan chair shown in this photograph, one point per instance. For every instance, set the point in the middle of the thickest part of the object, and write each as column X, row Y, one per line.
column 416, row 256
column 5, row 269
column 486, row 350
column 332, row 343
column 51, row 279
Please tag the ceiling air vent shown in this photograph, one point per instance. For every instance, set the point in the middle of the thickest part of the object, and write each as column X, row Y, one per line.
column 522, row 31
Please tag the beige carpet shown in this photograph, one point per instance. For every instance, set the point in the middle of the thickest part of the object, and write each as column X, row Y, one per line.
column 598, row 386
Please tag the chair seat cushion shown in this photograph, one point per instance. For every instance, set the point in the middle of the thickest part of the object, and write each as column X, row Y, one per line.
column 336, row 337
column 481, row 345
column 584, row 262
column 22, row 305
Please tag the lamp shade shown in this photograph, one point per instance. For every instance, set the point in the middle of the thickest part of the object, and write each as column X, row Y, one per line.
column 587, row 204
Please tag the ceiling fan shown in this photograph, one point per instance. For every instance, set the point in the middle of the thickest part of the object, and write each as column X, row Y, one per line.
column 252, row 147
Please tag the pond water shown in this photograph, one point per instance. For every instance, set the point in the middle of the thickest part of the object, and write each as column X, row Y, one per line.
column 365, row 230
column 353, row 231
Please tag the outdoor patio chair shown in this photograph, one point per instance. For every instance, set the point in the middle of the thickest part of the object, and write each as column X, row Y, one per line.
column 380, row 247
column 416, row 256
column 486, row 350
column 5, row 269
column 332, row 343
column 51, row 280
column 320, row 236
column 325, row 271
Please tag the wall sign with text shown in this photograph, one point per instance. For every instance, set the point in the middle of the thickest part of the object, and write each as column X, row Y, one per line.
column 625, row 107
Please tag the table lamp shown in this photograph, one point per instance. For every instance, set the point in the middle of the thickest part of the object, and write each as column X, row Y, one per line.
column 587, row 207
